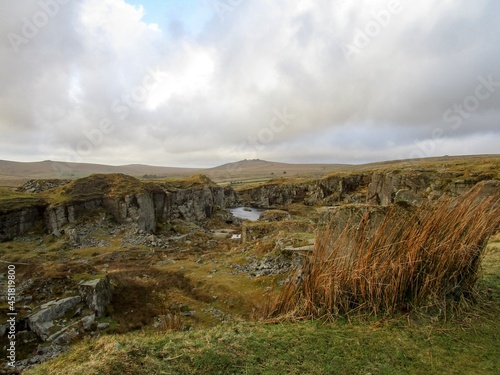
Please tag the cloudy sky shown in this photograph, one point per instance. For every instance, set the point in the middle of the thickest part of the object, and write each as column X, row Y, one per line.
column 205, row 82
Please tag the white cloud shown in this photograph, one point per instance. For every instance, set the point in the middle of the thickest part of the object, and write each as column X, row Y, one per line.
column 218, row 88
column 190, row 75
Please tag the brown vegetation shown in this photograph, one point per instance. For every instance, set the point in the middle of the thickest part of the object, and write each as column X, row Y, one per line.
column 94, row 187
column 430, row 259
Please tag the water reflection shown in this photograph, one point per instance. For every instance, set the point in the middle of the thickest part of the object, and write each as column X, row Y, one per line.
column 248, row 213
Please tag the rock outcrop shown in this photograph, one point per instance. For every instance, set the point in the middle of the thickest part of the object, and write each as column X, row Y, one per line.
column 42, row 322
column 37, row 186
column 383, row 187
column 325, row 191
column 416, row 186
column 128, row 200
column 194, row 203
column 136, row 208
column 56, row 321
column 378, row 188
column 356, row 225
column 56, row 217
column 96, row 294
column 16, row 223
column 123, row 198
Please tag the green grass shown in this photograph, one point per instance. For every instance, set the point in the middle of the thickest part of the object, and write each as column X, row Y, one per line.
column 11, row 200
column 303, row 348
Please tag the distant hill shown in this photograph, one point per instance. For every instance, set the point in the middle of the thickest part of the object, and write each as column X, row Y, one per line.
column 261, row 169
column 14, row 173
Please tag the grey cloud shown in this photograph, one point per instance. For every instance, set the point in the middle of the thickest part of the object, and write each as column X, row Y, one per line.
column 262, row 57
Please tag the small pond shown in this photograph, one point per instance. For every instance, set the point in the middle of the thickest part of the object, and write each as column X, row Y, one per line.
column 248, row 213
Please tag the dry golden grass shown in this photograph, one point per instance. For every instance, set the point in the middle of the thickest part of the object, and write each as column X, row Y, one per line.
column 432, row 258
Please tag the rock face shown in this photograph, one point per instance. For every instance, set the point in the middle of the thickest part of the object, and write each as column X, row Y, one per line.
column 96, row 294
column 339, row 217
column 146, row 209
column 326, row 191
column 42, row 321
column 194, row 203
column 16, row 223
column 57, row 217
column 415, row 186
column 138, row 208
column 380, row 188
column 384, row 186
column 128, row 200
column 357, row 224
column 406, row 196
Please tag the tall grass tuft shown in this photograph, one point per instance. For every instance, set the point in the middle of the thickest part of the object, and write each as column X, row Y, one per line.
column 428, row 256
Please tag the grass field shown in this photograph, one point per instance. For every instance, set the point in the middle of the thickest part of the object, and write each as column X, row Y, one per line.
column 418, row 344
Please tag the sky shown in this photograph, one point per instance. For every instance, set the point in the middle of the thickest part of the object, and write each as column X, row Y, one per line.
column 200, row 83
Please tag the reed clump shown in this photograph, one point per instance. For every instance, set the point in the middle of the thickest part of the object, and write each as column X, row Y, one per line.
column 428, row 256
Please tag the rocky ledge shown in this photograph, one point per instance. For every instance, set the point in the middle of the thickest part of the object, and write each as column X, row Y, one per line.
column 123, row 198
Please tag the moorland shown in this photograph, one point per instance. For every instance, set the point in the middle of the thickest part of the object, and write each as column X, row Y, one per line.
column 383, row 268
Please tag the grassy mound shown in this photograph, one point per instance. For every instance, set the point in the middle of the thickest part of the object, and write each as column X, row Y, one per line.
column 96, row 186
column 11, row 200
column 197, row 180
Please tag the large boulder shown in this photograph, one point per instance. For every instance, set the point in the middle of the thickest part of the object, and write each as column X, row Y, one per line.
column 42, row 321
column 96, row 294
column 327, row 190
